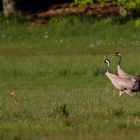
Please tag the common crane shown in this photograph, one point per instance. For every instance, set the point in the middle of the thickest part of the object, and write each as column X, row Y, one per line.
column 124, row 85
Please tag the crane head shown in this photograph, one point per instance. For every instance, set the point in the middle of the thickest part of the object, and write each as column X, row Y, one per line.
column 118, row 54
column 106, row 61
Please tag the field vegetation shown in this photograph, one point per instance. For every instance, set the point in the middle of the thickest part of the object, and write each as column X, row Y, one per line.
column 58, row 74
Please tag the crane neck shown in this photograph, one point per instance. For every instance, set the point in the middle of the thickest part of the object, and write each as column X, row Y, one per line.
column 106, row 68
column 119, row 61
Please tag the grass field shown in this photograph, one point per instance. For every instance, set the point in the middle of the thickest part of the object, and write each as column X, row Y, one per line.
column 58, row 73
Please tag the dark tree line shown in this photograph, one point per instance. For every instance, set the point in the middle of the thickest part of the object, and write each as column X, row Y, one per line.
column 8, row 7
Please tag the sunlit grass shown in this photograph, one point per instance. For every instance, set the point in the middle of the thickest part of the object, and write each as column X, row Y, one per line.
column 61, row 64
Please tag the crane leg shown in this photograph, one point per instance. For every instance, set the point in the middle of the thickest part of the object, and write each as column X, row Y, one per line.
column 128, row 92
column 121, row 92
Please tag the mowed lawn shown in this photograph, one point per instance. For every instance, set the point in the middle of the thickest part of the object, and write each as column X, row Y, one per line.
column 58, row 74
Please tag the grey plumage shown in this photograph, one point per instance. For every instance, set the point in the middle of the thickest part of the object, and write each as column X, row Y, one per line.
column 123, row 74
column 120, row 71
column 136, row 87
column 124, row 85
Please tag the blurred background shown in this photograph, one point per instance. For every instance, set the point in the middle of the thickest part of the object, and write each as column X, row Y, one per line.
column 51, row 58
column 126, row 7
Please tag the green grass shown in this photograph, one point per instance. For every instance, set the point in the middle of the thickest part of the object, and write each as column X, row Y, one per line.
column 61, row 64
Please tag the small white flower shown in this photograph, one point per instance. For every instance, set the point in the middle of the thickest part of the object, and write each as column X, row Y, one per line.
column 92, row 45
column 46, row 36
column 61, row 41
